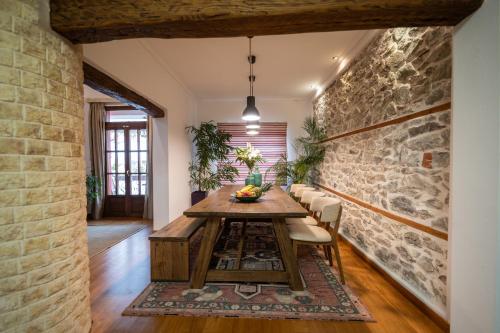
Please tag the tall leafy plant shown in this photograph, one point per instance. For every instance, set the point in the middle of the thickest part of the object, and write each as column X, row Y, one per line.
column 310, row 154
column 94, row 185
column 211, row 165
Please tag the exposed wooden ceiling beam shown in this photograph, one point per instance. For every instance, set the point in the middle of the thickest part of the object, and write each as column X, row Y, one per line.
column 105, row 84
column 119, row 108
column 90, row 21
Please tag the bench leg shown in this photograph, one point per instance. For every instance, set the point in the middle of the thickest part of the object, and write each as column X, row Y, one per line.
column 169, row 261
column 205, row 254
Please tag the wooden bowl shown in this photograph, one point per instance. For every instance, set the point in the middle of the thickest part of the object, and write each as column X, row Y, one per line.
column 246, row 199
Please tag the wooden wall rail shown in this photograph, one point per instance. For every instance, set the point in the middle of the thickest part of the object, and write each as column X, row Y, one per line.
column 90, row 21
column 423, row 113
column 392, row 216
column 105, row 84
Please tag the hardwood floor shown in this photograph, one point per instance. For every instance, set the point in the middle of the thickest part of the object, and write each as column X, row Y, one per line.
column 119, row 274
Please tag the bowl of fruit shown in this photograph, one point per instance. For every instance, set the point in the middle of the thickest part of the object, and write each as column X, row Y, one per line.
column 251, row 193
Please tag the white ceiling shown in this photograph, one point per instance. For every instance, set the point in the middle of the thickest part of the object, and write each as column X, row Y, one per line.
column 287, row 66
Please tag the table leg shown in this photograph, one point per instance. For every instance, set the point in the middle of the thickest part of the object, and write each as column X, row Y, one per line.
column 205, row 254
column 289, row 259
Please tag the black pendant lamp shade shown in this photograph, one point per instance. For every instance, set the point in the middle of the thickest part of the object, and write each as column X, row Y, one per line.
column 251, row 113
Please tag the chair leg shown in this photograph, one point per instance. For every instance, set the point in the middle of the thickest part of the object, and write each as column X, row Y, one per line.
column 329, row 252
column 295, row 248
column 339, row 262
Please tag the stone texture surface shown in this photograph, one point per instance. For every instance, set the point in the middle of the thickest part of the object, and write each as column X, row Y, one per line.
column 44, row 274
column 402, row 168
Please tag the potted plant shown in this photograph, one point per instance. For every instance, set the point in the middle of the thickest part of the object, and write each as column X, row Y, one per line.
column 310, row 154
column 250, row 157
column 210, row 166
column 93, row 189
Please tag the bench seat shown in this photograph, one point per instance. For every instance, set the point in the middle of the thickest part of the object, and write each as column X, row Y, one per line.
column 170, row 249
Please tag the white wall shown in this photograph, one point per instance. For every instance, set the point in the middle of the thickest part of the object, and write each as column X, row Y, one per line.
column 131, row 63
column 291, row 111
column 474, row 242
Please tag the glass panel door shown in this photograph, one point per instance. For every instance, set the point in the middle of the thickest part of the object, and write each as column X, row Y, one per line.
column 138, row 153
column 126, row 166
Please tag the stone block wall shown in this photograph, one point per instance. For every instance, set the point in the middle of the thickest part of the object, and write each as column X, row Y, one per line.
column 44, row 273
column 402, row 168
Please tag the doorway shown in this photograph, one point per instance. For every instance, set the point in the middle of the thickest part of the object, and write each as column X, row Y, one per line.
column 126, row 167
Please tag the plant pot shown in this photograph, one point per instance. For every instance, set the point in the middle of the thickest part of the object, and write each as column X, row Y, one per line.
column 257, row 178
column 197, row 196
column 250, row 180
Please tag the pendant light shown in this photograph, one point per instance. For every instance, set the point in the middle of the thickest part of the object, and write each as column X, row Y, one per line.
column 251, row 113
column 252, row 132
column 253, row 124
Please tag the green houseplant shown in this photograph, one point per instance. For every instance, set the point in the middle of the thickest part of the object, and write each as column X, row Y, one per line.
column 250, row 157
column 210, row 165
column 310, row 154
column 94, row 185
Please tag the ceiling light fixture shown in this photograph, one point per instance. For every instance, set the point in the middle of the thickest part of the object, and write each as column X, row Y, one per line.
column 252, row 132
column 251, row 113
column 253, row 124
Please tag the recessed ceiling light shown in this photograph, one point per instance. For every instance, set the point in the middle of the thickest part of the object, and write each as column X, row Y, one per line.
column 335, row 58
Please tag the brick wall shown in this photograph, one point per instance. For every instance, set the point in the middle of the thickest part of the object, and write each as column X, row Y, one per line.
column 44, row 275
column 403, row 168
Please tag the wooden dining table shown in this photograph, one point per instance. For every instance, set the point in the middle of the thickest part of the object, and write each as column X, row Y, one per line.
column 276, row 205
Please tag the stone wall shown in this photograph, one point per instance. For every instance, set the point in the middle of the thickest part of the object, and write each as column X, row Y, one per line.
column 44, row 274
column 401, row 168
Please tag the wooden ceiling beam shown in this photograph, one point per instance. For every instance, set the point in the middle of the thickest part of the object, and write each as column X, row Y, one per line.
column 119, row 108
column 90, row 21
column 105, row 84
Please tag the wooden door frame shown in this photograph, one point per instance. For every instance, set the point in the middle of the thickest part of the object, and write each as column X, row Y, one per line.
column 126, row 126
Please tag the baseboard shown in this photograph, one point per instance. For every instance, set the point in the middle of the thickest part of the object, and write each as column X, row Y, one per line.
column 440, row 321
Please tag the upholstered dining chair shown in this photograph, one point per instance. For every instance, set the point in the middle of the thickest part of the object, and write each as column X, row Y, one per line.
column 294, row 188
column 301, row 190
column 306, row 200
column 326, row 234
column 308, row 196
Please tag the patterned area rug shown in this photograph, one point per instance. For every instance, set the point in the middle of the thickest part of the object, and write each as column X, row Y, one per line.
column 324, row 297
column 259, row 253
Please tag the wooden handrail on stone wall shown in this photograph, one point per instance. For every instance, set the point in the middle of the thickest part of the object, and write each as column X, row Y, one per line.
column 392, row 216
column 423, row 113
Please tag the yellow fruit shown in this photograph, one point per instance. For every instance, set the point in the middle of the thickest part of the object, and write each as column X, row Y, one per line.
column 246, row 188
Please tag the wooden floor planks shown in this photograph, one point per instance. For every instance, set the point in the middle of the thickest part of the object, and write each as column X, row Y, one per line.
column 121, row 273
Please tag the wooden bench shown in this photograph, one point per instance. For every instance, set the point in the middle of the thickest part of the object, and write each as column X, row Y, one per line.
column 170, row 249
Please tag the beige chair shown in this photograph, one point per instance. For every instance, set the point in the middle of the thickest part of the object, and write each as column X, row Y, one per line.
column 326, row 235
column 294, row 188
column 306, row 200
column 301, row 190
column 308, row 196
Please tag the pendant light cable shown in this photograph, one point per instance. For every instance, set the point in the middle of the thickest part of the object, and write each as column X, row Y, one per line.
column 250, row 113
column 250, row 60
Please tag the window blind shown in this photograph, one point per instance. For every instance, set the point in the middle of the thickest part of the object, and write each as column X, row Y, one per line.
column 271, row 141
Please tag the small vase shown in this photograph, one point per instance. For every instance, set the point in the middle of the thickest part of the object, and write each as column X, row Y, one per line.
column 257, row 179
column 250, row 180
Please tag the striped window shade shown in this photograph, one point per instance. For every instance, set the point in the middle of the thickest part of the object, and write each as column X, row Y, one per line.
column 271, row 141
